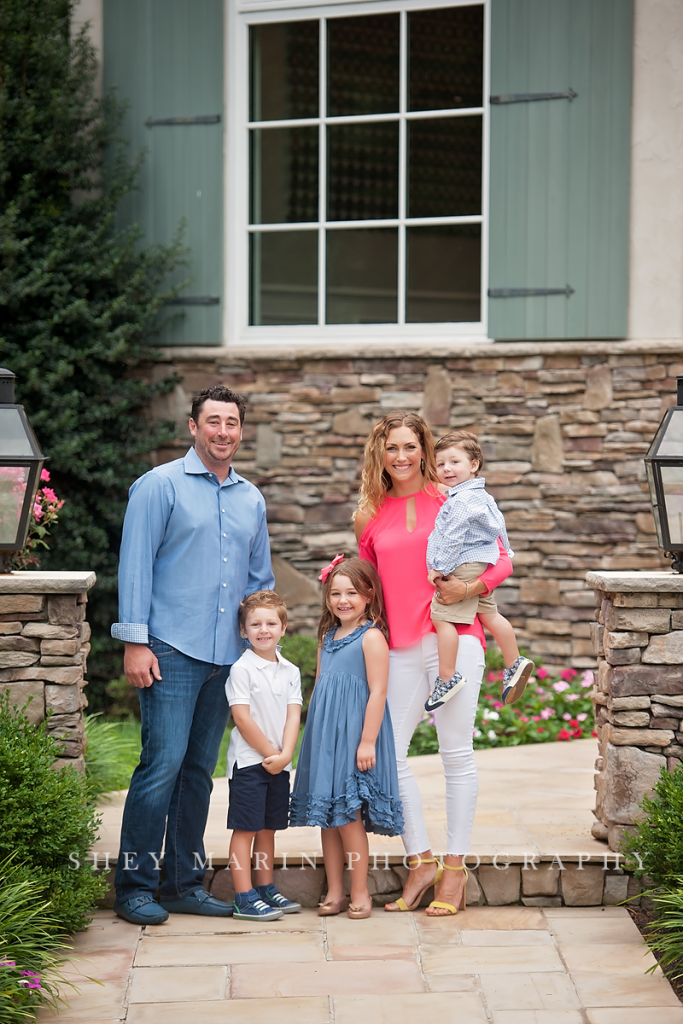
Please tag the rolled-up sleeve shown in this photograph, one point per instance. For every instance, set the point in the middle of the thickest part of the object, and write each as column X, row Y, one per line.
column 149, row 507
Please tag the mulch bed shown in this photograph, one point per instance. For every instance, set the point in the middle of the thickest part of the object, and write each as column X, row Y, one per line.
column 642, row 919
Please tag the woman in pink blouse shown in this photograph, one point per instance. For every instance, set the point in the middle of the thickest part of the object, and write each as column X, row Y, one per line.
column 398, row 504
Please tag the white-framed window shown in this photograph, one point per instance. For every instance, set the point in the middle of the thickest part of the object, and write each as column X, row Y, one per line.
column 357, row 170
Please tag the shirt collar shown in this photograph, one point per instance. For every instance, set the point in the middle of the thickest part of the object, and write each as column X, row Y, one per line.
column 259, row 662
column 468, row 485
column 194, row 465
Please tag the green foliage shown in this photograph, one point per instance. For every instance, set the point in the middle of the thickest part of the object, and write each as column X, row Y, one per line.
column 46, row 822
column 30, row 947
column 79, row 297
column 658, row 838
column 551, row 709
column 665, row 935
column 123, row 699
column 303, row 652
column 112, row 754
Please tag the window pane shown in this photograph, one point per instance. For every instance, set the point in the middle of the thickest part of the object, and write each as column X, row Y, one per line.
column 672, row 482
column 284, row 277
column 363, row 65
column 362, row 171
column 13, row 484
column 284, row 71
column 444, row 167
column 362, row 271
column 446, row 57
column 444, row 274
column 284, row 175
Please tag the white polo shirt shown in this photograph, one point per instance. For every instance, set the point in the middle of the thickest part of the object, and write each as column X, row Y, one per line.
column 267, row 687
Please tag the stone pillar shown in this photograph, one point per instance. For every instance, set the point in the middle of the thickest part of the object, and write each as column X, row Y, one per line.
column 43, row 651
column 638, row 640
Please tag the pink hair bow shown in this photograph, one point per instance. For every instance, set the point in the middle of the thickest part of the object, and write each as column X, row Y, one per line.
column 328, row 568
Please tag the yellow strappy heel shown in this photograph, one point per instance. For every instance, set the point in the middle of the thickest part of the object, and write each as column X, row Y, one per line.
column 400, row 904
column 440, row 905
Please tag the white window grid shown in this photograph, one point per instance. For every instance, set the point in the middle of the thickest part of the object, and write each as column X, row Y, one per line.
column 237, row 261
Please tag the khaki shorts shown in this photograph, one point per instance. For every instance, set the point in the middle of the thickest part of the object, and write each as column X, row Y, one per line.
column 465, row 612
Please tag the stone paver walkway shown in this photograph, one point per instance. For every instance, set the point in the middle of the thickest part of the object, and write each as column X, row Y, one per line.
column 502, row 965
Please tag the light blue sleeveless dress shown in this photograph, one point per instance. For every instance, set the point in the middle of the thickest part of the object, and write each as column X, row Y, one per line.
column 328, row 787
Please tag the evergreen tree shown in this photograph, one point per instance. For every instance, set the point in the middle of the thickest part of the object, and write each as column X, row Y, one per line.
column 79, row 296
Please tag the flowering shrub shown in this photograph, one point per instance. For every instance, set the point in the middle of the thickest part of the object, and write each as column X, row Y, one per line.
column 551, row 709
column 45, row 514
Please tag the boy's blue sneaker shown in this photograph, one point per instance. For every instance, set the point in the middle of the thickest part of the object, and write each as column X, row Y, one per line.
column 515, row 679
column 274, row 898
column 443, row 690
column 250, row 907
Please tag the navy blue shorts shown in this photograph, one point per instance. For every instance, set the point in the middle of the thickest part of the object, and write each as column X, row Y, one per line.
column 258, row 799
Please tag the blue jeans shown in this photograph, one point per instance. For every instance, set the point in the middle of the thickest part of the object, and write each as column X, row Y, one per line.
column 184, row 715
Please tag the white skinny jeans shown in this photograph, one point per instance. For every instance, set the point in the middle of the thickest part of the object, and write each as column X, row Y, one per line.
column 412, row 671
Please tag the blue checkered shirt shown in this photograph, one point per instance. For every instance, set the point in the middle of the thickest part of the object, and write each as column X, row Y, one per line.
column 467, row 529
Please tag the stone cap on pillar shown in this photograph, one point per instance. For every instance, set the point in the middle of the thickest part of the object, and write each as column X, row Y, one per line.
column 662, row 582
column 37, row 582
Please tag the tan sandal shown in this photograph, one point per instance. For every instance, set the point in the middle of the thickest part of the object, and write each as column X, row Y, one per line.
column 400, row 904
column 452, row 910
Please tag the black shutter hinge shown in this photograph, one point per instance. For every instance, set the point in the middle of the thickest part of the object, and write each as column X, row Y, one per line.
column 524, row 293
column 199, row 119
column 532, row 97
column 194, row 300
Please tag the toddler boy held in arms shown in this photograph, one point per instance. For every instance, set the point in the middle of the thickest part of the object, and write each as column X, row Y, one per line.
column 463, row 543
column 264, row 693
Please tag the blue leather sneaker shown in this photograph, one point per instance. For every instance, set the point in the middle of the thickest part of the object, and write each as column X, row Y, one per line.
column 250, row 907
column 274, row 898
column 199, row 902
column 141, row 910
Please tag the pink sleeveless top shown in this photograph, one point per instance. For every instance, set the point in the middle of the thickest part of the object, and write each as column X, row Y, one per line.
column 400, row 560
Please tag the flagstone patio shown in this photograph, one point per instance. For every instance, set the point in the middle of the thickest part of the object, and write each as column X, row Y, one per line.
column 499, row 965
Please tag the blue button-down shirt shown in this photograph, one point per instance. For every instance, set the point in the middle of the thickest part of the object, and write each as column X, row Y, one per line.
column 467, row 529
column 192, row 549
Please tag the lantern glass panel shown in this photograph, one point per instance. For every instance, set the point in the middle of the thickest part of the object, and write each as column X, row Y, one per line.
column 13, row 483
column 672, row 483
column 671, row 440
column 655, row 503
column 14, row 441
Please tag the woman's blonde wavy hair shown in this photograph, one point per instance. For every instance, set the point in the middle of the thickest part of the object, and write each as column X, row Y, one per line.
column 375, row 481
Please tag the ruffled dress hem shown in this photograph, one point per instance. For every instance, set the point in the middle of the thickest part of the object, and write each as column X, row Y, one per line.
column 380, row 813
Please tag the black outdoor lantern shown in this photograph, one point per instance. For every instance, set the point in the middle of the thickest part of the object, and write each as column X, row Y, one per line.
column 21, row 461
column 664, row 467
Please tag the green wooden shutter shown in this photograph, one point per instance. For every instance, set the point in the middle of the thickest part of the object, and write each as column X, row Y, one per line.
column 165, row 58
column 559, row 180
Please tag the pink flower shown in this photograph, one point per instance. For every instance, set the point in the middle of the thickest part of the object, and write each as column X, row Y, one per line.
column 541, row 692
column 582, row 717
column 587, row 679
column 572, row 696
column 523, row 718
column 45, row 476
column 541, row 673
column 497, row 704
column 573, row 722
column 540, row 728
column 566, row 716
column 50, row 494
column 560, row 687
column 37, row 512
column 535, row 718
column 492, row 677
column 547, row 713
column 564, row 735
column 568, row 673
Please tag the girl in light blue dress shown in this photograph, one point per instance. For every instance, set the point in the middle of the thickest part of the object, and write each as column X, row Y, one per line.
column 346, row 780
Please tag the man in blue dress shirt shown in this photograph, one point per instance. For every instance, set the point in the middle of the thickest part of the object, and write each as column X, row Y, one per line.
column 195, row 543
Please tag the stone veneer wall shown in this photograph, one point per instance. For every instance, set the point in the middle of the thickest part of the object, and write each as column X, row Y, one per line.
column 638, row 699
column 564, row 427
column 43, row 651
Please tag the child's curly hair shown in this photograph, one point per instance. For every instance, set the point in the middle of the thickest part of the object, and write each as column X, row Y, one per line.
column 364, row 578
column 464, row 440
column 263, row 599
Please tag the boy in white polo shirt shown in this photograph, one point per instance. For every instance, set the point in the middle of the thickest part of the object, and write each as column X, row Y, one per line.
column 264, row 693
